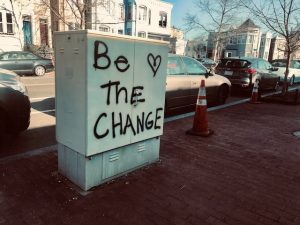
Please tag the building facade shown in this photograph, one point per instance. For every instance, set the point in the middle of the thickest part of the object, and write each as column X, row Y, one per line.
column 33, row 22
column 23, row 23
column 177, row 42
column 196, row 48
column 243, row 41
column 277, row 48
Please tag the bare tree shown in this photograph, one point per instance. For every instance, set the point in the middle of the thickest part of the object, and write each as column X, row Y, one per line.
column 79, row 11
column 281, row 17
column 221, row 14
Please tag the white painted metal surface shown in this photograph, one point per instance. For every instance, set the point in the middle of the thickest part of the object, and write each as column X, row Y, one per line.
column 103, row 79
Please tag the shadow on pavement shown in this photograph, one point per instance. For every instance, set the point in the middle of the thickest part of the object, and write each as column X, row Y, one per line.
column 28, row 140
column 46, row 106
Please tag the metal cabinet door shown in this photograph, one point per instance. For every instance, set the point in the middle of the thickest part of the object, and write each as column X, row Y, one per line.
column 150, row 83
column 109, row 88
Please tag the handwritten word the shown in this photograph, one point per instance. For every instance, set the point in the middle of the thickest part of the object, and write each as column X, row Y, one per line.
column 135, row 93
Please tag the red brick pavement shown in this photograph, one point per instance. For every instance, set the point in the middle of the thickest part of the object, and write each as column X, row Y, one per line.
column 247, row 173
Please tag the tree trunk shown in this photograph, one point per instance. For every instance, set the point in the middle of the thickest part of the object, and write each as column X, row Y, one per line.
column 285, row 85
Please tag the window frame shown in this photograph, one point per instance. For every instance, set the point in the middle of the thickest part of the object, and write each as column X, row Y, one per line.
column 9, row 24
column 163, row 23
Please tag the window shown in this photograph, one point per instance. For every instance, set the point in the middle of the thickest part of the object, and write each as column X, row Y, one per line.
column 163, row 19
column 1, row 23
column 120, row 31
column 104, row 28
column 174, row 66
column 121, row 15
column 73, row 26
column 129, row 12
column 142, row 13
column 232, row 40
column 9, row 23
column 149, row 17
column 251, row 38
column 142, row 34
column 28, row 55
column 193, row 67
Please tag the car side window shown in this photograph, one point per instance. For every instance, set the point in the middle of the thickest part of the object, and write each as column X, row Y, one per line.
column 30, row 56
column 175, row 66
column 295, row 64
column 193, row 67
column 4, row 57
column 13, row 56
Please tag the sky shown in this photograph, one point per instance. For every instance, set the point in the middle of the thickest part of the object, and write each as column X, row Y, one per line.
column 180, row 9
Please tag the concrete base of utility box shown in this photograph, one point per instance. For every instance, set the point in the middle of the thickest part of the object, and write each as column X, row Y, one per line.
column 88, row 172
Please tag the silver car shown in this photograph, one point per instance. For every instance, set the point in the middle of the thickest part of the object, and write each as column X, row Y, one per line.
column 294, row 70
column 184, row 75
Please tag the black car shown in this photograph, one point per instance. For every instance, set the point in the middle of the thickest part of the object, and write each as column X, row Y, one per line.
column 22, row 62
column 14, row 104
column 243, row 72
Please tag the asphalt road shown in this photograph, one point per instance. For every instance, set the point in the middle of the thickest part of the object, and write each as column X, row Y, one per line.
column 41, row 132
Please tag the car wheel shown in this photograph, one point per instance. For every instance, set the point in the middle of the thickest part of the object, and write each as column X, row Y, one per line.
column 222, row 94
column 292, row 81
column 39, row 71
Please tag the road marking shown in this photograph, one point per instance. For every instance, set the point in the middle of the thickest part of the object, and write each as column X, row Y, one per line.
column 44, row 111
column 28, row 154
column 40, row 98
column 30, row 85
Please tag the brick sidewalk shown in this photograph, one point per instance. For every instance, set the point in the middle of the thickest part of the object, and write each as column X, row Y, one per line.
column 247, row 173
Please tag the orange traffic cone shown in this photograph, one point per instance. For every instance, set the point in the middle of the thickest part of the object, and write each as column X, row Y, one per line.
column 200, row 125
column 254, row 96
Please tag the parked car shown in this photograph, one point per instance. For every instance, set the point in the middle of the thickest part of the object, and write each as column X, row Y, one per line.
column 208, row 63
column 14, row 104
column 184, row 75
column 244, row 71
column 22, row 62
column 294, row 70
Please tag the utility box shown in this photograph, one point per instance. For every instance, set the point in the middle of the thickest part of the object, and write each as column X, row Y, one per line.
column 110, row 95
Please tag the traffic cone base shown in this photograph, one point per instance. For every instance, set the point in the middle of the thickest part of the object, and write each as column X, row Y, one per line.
column 201, row 134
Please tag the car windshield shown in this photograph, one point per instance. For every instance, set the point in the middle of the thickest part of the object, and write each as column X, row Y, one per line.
column 234, row 63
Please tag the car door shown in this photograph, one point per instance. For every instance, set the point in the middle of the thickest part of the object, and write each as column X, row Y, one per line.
column 27, row 60
column 196, row 72
column 266, row 77
column 271, row 75
column 178, row 83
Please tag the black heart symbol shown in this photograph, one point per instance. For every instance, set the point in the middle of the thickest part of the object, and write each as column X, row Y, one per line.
column 153, row 62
